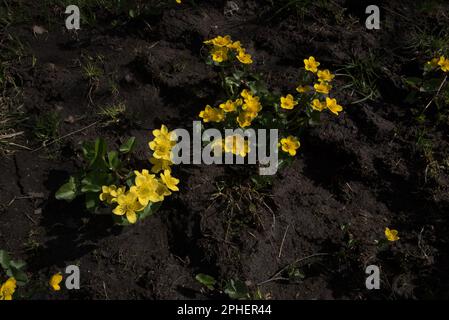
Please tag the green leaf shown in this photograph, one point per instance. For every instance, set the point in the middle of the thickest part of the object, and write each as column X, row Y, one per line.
column 20, row 276
column 113, row 160
column 413, row 81
column 5, row 261
column 17, row 264
column 88, row 149
column 236, row 290
column 206, row 280
column 431, row 85
column 92, row 201
column 149, row 210
column 94, row 180
column 99, row 161
column 67, row 191
column 90, row 184
column 128, row 146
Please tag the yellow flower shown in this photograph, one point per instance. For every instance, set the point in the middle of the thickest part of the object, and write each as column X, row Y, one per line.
column 161, row 149
column 322, row 87
column 212, row 114
column 318, row 105
column 332, row 105
column 237, row 46
column 145, row 188
column 128, row 205
column 244, row 57
column 288, row 102
column 164, row 134
column 220, row 41
column 237, row 145
column 244, row 119
column 311, row 64
column 55, row 280
column 290, row 145
column 252, row 106
column 219, row 54
column 162, row 143
column 391, row 234
column 303, row 89
column 169, row 181
column 7, row 289
column 110, row 193
column 325, row 76
column 159, row 164
column 178, row 1
column 228, row 106
column 444, row 64
column 246, row 94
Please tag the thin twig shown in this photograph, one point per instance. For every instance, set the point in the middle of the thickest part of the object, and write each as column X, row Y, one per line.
column 436, row 95
column 282, row 243
column 66, row 136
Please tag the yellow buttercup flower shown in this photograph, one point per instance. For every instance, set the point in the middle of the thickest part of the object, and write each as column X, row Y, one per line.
column 161, row 149
column 228, row 106
column 169, row 181
column 128, row 205
column 244, row 57
column 332, row 105
column 7, row 289
column 237, row 145
column 325, row 75
column 162, row 143
column 109, row 194
column 164, row 133
column 290, row 145
column 444, row 64
column 322, row 87
column 311, row 64
column 244, row 119
column 318, row 105
column 210, row 114
column 246, row 94
column 178, row 1
column 303, row 89
column 237, row 46
column 160, row 164
column 252, row 106
column 219, row 54
column 145, row 188
column 391, row 234
column 55, row 280
column 288, row 102
column 220, row 41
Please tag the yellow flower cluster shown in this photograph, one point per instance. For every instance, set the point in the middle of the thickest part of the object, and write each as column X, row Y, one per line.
column 290, row 145
column 223, row 48
column 248, row 107
column 440, row 62
column 7, row 289
column 147, row 187
column 323, row 87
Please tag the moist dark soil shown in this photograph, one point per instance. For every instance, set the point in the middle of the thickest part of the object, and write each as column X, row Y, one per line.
column 309, row 235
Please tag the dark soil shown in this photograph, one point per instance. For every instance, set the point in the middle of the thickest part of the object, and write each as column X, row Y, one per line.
column 355, row 175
